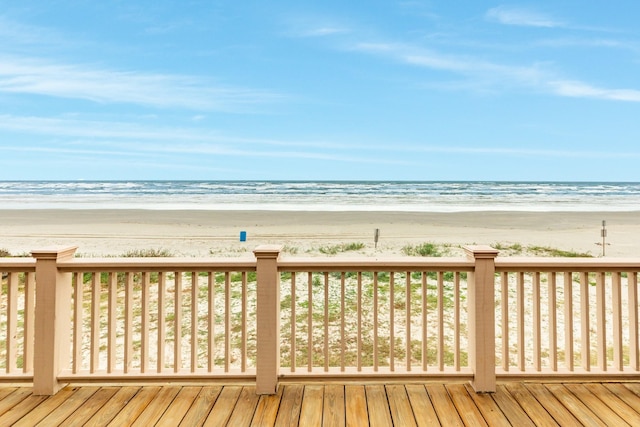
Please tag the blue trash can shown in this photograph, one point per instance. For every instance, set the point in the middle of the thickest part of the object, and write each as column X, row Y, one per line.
column 243, row 236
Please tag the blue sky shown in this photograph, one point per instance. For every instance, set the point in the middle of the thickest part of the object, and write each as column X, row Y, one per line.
column 375, row 90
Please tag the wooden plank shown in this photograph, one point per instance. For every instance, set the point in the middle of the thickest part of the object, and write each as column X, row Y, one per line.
column 290, row 405
column 556, row 409
column 245, row 407
column 423, row 411
column 378, row 406
column 135, row 406
column 154, row 410
column 574, row 405
column 443, row 405
column 626, row 395
column 511, row 409
column 12, row 399
column 531, row 406
column 21, row 409
column 223, row 407
column 45, row 408
column 68, row 407
column 334, row 407
column 312, row 403
column 604, row 412
column 465, row 405
column 634, row 387
column 356, row 413
column 401, row 411
column 617, row 405
column 488, row 407
column 176, row 411
column 201, row 406
column 85, row 411
column 116, row 403
column 267, row 409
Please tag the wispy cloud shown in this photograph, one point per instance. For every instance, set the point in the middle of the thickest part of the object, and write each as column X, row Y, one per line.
column 510, row 15
column 103, row 85
column 577, row 89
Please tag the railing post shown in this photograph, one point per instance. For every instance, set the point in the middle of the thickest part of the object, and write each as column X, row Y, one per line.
column 482, row 333
column 52, row 319
column 268, row 318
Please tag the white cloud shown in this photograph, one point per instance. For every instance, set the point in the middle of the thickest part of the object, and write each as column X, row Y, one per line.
column 522, row 17
column 576, row 89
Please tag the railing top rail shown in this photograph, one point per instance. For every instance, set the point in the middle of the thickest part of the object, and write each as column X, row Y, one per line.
column 156, row 264
column 528, row 264
column 27, row 265
column 375, row 264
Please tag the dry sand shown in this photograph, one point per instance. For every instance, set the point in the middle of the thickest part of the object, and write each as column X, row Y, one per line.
column 203, row 233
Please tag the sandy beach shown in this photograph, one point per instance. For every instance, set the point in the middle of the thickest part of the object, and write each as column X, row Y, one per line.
column 216, row 233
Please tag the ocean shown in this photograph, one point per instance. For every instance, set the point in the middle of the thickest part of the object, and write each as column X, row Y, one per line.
column 418, row 196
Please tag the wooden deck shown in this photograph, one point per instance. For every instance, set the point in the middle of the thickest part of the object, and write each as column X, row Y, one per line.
column 514, row 403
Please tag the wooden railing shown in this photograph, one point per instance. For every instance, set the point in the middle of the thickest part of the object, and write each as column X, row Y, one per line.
column 273, row 319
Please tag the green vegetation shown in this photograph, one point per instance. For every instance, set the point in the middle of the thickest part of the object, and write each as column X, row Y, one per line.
column 515, row 249
column 425, row 249
column 148, row 253
column 343, row 247
column 4, row 253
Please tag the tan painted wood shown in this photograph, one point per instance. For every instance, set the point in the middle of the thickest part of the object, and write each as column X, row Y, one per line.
column 423, row 410
column 465, row 405
column 399, row 406
column 112, row 319
column 378, row 406
column 392, row 332
column 96, row 288
column 201, row 406
column 577, row 408
column 45, row 408
column 376, row 351
column 632, row 301
column 617, row 404
column 154, row 410
column 530, row 405
column 510, row 408
column 440, row 317
column 135, row 406
column 128, row 322
column 29, row 321
column 211, row 320
column 177, row 322
column 568, row 321
column 552, row 321
column 356, row 413
column 488, row 407
column 626, row 395
column 85, row 411
column 178, row 407
column 552, row 405
column 245, row 407
column 162, row 319
column 504, row 319
column 144, row 323
column 333, row 406
column 290, row 405
column 11, row 322
column 601, row 321
column 79, row 396
column 113, row 407
column 616, row 302
column 585, row 332
column 442, row 404
column 223, row 407
column 267, row 409
column 312, row 405
column 195, row 290
column 601, row 409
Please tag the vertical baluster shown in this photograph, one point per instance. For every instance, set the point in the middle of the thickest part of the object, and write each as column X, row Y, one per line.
column 211, row 320
column 310, row 322
column 326, row 322
column 553, row 333
column 243, row 327
column 504, row 305
column 634, row 356
column 584, row 321
column 227, row 321
column 95, row 322
column 520, row 313
column 407, row 309
column 359, row 309
column 424, row 321
column 162, row 318
column 342, row 321
column 77, row 323
column 537, row 344
column 128, row 318
column 375, row 321
column 568, row 321
column 29, row 321
column 456, row 320
column 177, row 322
column 601, row 330
column 440, row 321
column 392, row 337
column 617, row 320
column 12, row 321
column 144, row 323
column 112, row 318
column 294, row 321
column 194, row 320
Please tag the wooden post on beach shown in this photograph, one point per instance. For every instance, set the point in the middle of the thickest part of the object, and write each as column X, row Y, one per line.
column 482, row 333
column 52, row 319
column 268, row 319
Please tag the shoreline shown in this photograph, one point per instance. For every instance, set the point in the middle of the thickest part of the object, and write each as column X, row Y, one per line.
column 216, row 233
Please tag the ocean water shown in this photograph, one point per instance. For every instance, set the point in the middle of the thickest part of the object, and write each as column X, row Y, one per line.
column 428, row 196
